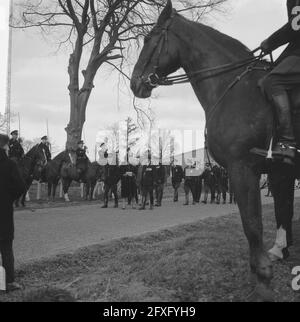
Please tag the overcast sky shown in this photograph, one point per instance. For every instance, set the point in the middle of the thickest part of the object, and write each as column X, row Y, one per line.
column 40, row 79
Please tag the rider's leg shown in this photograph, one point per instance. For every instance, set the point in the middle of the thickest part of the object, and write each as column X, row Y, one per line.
column 280, row 100
column 284, row 77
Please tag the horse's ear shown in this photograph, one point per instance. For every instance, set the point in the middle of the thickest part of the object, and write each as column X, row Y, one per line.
column 166, row 13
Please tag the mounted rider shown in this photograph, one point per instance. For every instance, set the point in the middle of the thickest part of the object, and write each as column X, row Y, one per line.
column 45, row 146
column 284, row 77
column 16, row 151
column 81, row 157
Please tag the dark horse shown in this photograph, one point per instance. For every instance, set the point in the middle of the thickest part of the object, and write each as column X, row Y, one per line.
column 62, row 168
column 242, row 120
column 31, row 167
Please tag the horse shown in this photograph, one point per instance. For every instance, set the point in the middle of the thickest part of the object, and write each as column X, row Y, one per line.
column 94, row 173
column 52, row 173
column 239, row 118
column 31, row 167
column 63, row 168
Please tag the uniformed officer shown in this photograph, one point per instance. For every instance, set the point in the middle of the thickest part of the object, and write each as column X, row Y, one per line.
column 159, row 183
column 128, row 172
column 81, row 158
column 189, row 183
column 16, row 151
column 45, row 146
column 111, row 179
column 177, row 177
column 284, row 77
column 147, row 185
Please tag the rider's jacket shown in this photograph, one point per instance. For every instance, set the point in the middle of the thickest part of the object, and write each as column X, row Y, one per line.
column 289, row 33
column 15, row 149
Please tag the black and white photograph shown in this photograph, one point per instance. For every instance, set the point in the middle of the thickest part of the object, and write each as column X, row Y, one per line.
column 149, row 154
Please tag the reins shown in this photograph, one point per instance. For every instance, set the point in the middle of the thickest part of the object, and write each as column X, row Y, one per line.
column 219, row 70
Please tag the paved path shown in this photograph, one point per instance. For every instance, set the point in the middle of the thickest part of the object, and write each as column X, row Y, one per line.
column 46, row 232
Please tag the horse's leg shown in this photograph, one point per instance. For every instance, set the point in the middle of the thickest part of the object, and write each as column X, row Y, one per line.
column 212, row 194
column 87, row 190
column 66, row 186
column 246, row 188
column 49, row 190
column 23, row 199
column 205, row 194
column 224, row 195
column 92, row 189
column 282, row 187
column 218, row 195
column 54, row 187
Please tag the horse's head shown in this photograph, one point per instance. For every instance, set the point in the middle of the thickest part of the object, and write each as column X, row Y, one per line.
column 159, row 56
column 39, row 159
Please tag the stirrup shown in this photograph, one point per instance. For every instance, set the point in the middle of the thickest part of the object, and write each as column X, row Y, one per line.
column 271, row 155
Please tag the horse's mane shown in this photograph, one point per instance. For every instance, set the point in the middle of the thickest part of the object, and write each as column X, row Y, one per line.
column 60, row 156
column 225, row 42
column 32, row 151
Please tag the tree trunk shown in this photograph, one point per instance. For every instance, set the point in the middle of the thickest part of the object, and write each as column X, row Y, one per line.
column 78, row 102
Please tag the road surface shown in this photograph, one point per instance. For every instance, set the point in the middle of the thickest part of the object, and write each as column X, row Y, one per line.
column 50, row 231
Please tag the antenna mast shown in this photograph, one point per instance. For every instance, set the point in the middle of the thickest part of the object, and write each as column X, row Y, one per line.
column 9, row 62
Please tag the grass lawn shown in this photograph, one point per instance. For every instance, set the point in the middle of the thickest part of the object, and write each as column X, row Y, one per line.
column 205, row 261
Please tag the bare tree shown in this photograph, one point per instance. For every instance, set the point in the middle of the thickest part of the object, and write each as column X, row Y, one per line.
column 101, row 29
column 131, row 138
column 5, row 119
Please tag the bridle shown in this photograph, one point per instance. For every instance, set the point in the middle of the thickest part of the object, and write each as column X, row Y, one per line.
column 153, row 80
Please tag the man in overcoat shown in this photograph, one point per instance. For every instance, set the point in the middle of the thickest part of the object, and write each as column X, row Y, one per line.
column 11, row 188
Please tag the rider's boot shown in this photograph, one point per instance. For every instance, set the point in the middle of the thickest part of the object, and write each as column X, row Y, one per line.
column 286, row 146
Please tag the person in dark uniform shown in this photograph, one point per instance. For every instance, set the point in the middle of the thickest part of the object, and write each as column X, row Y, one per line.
column 284, row 77
column 189, row 184
column 81, row 158
column 16, row 151
column 128, row 173
column 12, row 187
column 177, row 177
column 45, row 146
column 111, row 178
column 147, row 185
column 159, row 183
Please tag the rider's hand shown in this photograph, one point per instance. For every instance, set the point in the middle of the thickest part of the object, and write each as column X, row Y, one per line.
column 265, row 47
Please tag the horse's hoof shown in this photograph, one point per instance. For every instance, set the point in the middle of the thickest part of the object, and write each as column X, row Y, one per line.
column 261, row 293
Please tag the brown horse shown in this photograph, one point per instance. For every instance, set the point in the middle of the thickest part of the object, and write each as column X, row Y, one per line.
column 239, row 118
column 31, row 167
column 62, row 168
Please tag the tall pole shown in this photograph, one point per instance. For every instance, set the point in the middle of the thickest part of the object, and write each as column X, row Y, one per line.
column 47, row 127
column 19, row 120
column 9, row 62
